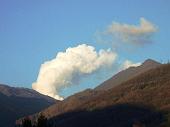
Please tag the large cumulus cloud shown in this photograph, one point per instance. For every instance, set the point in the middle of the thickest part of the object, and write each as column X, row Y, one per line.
column 69, row 67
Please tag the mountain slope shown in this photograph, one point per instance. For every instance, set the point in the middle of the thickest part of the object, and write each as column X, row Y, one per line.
column 127, row 74
column 18, row 102
column 149, row 89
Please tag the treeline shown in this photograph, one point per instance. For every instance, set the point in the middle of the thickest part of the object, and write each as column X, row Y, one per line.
column 41, row 122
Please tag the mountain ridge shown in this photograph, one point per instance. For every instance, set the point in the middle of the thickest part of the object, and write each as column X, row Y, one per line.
column 127, row 74
column 22, row 92
column 18, row 102
column 141, row 90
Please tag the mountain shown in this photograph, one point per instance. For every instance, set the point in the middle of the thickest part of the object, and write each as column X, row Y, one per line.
column 143, row 100
column 19, row 102
column 127, row 74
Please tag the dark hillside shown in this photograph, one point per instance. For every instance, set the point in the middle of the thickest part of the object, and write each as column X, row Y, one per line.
column 19, row 102
column 150, row 90
column 123, row 115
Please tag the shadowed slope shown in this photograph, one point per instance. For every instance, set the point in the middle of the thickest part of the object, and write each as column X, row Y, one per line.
column 18, row 102
column 123, row 115
column 150, row 89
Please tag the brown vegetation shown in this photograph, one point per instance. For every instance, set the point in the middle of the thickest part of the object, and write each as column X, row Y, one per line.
column 151, row 89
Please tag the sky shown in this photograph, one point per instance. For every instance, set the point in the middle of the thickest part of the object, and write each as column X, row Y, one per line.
column 33, row 32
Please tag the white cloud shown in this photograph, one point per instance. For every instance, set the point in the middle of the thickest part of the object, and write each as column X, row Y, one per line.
column 128, row 63
column 69, row 67
column 135, row 34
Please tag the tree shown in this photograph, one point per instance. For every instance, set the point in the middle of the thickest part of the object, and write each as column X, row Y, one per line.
column 42, row 121
column 26, row 122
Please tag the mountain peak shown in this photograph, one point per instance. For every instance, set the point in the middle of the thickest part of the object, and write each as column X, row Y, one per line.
column 128, row 74
column 150, row 62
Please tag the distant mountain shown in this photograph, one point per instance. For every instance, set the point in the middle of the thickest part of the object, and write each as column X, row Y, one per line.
column 127, row 74
column 143, row 100
column 18, row 102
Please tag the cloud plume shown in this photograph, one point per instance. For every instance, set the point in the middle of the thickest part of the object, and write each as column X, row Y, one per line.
column 69, row 67
column 134, row 34
column 127, row 63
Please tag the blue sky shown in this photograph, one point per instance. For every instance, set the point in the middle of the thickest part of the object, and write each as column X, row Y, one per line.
column 32, row 32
